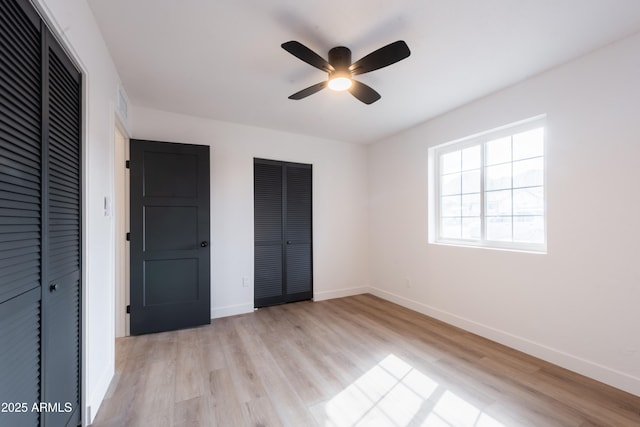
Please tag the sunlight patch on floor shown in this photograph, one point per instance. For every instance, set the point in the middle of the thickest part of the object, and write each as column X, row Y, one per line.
column 393, row 393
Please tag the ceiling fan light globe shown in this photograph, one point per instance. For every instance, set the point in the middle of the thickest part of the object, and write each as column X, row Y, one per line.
column 340, row 83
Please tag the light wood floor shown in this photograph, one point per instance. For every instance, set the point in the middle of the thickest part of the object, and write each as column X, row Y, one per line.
column 344, row 362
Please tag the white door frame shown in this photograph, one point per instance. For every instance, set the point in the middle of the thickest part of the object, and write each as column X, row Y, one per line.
column 121, row 207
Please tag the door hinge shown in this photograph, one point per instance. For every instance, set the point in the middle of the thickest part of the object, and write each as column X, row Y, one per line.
column 128, row 309
column 128, row 237
column 127, row 164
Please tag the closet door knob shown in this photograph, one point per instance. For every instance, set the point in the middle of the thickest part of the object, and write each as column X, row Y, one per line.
column 204, row 244
column 53, row 287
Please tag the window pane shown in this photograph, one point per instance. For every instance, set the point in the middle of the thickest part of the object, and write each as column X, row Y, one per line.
column 471, row 158
column 528, row 229
column 498, row 202
column 498, row 177
column 528, row 173
column 528, row 144
column 471, row 228
column 528, row 201
column 498, row 151
column 471, row 181
column 499, row 228
column 471, row 205
column 450, row 162
column 450, row 228
column 491, row 189
column 450, row 184
column 450, row 206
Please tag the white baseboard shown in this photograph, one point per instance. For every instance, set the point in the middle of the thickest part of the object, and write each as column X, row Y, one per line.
column 230, row 310
column 95, row 400
column 340, row 293
column 582, row 366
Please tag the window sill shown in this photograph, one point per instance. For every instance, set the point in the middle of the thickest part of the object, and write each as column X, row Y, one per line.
column 529, row 249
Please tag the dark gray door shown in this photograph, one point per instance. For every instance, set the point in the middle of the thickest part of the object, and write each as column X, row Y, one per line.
column 61, row 243
column 282, row 230
column 170, row 255
column 20, row 212
column 40, row 223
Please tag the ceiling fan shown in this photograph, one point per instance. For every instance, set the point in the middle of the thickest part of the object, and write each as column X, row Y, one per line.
column 341, row 70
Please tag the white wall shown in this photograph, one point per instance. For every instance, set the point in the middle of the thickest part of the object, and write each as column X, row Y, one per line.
column 578, row 305
column 73, row 23
column 339, row 202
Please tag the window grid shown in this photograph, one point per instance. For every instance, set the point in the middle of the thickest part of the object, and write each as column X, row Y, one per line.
column 518, row 238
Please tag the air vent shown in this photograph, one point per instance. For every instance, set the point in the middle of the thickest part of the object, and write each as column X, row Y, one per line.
column 122, row 105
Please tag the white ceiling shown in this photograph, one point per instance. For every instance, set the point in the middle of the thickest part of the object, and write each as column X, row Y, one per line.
column 222, row 59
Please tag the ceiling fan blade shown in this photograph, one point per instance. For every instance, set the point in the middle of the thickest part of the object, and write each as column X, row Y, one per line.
column 309, row 91
column 386, row 55
column 363, row 92
column 305, row 54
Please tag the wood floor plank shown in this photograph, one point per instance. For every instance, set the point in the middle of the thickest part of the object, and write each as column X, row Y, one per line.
column 226, row 406
column 193, row 413
column 355, row 361
column 190, row 381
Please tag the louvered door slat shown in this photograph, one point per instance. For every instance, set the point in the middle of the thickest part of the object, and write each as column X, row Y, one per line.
column 29, row 151
column 20, row 256
column 10, row 132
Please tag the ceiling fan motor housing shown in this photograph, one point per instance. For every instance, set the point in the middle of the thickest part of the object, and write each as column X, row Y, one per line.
column 340, row 60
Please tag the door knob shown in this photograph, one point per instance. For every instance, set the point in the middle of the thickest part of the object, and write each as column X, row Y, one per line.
column 53, row 287
column 204, row 244
column 288, row 242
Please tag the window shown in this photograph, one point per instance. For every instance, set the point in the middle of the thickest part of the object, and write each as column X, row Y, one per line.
column 489, row 189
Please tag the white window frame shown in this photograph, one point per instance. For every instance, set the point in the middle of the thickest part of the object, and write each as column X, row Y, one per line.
column 435, row 154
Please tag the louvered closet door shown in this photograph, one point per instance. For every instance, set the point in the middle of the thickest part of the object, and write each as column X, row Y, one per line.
column 61, row 293
column 282, row 227
column 20, row 210
column 298, row 233
column 39, row 224
column 268, row 234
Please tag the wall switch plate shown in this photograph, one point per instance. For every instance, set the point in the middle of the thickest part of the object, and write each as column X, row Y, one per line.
column 107, row 206
column 245, row 282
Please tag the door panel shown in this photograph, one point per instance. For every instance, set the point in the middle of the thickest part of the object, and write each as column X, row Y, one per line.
column 170, row 255
column 268, row 229
column 268, row 282
column 298, row 271
column 298, row 218
column 20, row 356
column 170, row 228
column 298, row 233
column 20, row 147
column 62, row 210
column 283, row 238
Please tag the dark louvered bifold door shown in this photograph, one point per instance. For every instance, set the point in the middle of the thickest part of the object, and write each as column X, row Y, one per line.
column 298, row 233
column 40, row 223
column 20, row 210
column 268, row 234
column 61, row 293
column 282, row 232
